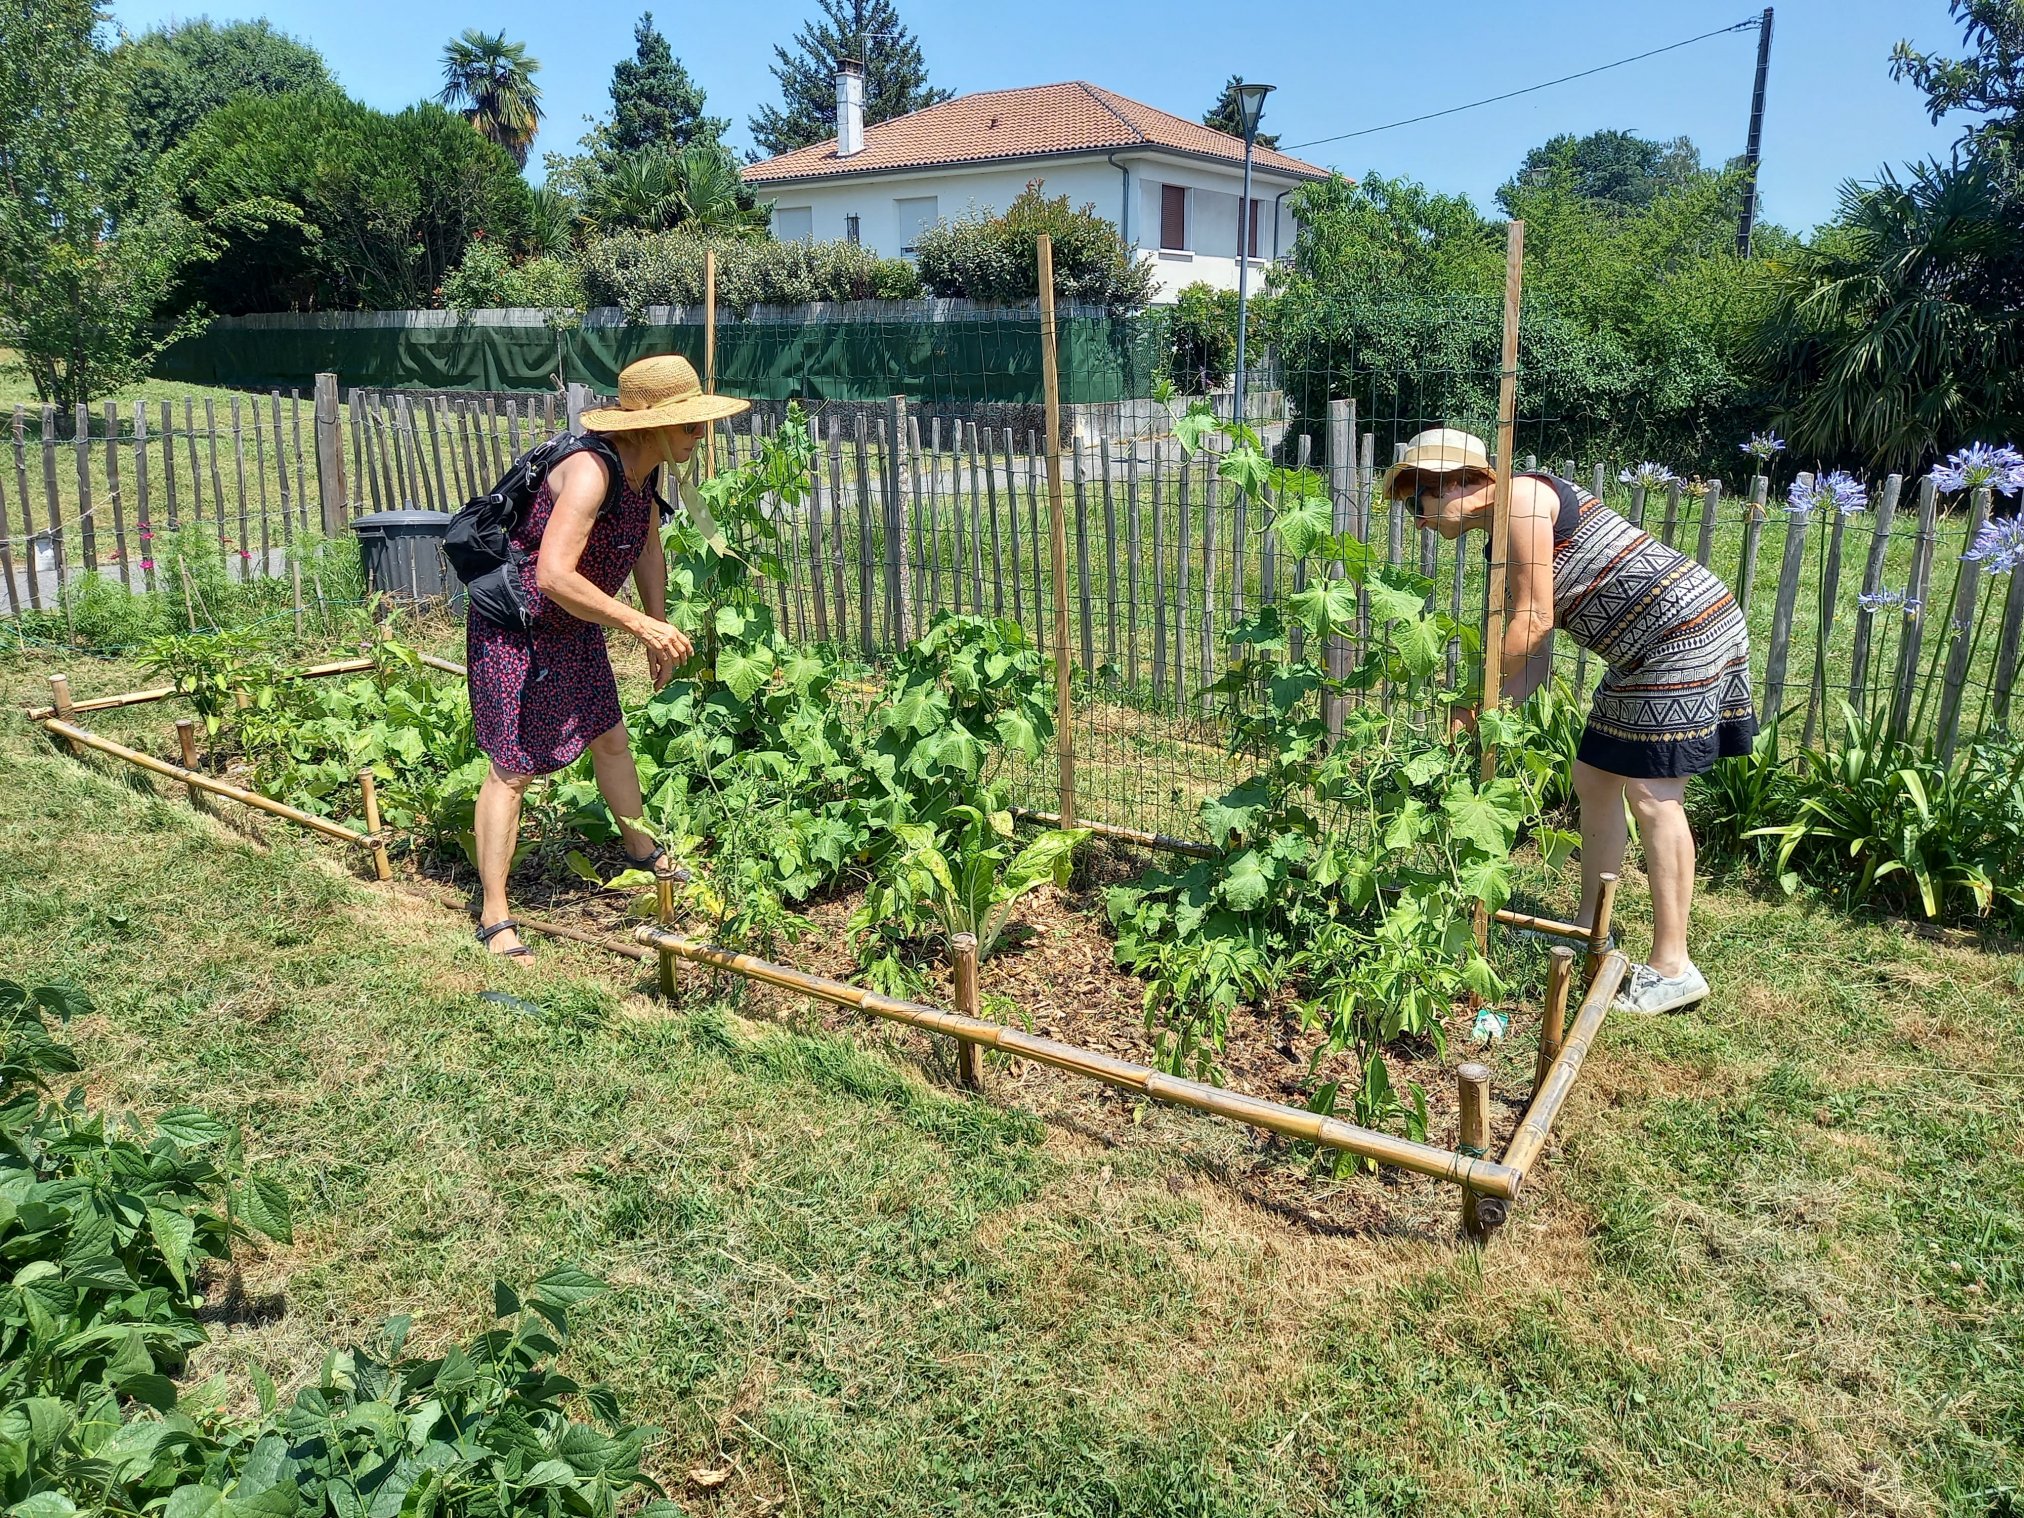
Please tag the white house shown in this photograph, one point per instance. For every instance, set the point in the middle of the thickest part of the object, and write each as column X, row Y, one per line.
column 1171, row 185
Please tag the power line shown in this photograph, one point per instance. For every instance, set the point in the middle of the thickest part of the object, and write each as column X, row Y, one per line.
column 1720, row 31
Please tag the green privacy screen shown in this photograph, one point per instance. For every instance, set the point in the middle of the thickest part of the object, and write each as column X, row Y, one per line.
column 938, row 350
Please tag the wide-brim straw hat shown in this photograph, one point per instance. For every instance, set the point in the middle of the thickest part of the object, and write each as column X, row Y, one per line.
column 661, row 391
column 1439, row 450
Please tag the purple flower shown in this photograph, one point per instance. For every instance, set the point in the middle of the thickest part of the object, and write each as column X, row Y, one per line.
column 1999, row 546
column 1843, row 491
column 1651, row 476
column 1763, row 446
column 1887, row 600
column 147, row 563
column 2002, row 469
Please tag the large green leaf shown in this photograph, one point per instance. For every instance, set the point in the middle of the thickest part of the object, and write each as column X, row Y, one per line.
column 744, row 668
column 1325, row 607
column 1487, row 817
column 1245, row 885
column 1302, row 523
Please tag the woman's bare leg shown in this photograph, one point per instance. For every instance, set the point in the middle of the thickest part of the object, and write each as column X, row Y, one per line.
column 497, row 827
column 1605, row 836
column 1661, row 811
column 618, row 781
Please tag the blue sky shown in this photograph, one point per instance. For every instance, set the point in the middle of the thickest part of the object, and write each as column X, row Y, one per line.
column 1833, row 110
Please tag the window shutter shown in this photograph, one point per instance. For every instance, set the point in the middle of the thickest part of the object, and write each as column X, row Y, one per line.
column 1251, row 249
column 1174, row 217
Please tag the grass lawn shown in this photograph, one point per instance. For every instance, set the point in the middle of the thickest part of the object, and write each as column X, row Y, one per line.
column 1774, row 1263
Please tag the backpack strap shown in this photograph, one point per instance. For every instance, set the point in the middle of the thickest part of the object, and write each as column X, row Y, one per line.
column 562, row 446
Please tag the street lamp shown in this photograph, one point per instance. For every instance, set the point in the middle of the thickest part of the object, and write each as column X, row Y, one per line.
column 1250, row 109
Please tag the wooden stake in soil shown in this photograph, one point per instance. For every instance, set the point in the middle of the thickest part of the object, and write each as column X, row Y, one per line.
column 369, row 793
column 1057, row 526
column 59, row 700
column 1598, row 936
column 664, row 912
column 186, row 743
column 1553, row 1022
column 710, row 355
column 969, row 1056
column 1497, row 610
column 1480, row 1214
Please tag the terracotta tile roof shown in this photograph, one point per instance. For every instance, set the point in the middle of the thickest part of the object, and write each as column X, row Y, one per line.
column 1033, row 122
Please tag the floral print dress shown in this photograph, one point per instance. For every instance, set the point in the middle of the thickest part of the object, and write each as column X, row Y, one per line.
column 538, row 698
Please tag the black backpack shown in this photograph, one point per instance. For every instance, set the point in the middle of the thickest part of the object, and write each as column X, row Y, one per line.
column 479, row 542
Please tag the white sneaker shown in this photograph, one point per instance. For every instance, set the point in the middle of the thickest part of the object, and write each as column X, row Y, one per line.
column 1649, row 992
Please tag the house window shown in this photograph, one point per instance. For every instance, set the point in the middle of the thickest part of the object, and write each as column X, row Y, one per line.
column 1251, row 248
column 1174, row 218
column 794, row 223
column 850, row 230
column 916, row 216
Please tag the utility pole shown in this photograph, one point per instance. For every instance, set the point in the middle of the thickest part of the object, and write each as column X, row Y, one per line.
column 1756, row 138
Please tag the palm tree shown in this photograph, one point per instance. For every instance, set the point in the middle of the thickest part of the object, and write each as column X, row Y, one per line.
column 492, row 81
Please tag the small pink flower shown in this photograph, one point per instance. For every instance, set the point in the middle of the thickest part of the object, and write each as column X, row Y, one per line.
column 147, row 536
column 245, row 553
column 147, row 563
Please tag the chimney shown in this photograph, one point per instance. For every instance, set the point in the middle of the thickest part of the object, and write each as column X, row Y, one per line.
column 849, row 107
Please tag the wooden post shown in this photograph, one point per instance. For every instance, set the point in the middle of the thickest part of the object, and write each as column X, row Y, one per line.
column 578, row 398
column 710, row 361
column 1553, row 1022
column 1672, row 521
column 664, row 914
column 1109, row 559
column 969, row 1056
column 1500, row 516
column 1872, row 581
column 898, row 602
column 1789, row 568
column 112, row 491
column 330, row 482
column 186, row 744
column 1753, row 534
column 864, row 612
column 1480, row 1214
column 1961, row 628
column 7, row 558
column 1342, row 514
column 59, row 697
column 1830, row 590
column 1057, row 524
column 1912, row 635
column 1598, row 934
column 87, row 525
column 370, row 795
column 1711, row 505
column 27, row 510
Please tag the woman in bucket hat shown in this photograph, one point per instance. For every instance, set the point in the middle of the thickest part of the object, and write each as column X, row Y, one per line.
column 1674, row 698
column 539, row 699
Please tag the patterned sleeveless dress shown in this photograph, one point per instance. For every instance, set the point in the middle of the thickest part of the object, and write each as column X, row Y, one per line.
column 1675, row 696
column 538, row 699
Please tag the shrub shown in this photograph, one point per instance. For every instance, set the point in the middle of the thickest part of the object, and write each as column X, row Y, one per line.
column 637, row 270
column 1203, row 326
column 489, row 278
column 994, row 258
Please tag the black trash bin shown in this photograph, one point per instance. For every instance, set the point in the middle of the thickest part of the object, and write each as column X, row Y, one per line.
column 403, row 552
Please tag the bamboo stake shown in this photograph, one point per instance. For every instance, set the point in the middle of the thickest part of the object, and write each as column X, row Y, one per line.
column 1537, row 1124
column 1598, row 935
column 1497, row 609
column 664, row 914
column 202, row 782
column 1488, row 1177
column 1480, row 1215
column 186, row 743
column 369, row 794
column 710, row 368
column 1057, row 526
column 1553, row 1022
column 59, row 697
column 969, row 1055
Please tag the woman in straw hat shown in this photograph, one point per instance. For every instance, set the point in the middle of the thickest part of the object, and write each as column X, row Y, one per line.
column 1675, row 696
column 539, row 700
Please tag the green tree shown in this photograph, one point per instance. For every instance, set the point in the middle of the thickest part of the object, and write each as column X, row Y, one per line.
column 1900, row 333
column 993, row 258
column 654, row 102
column 654, row 190
column 317, row 202
column 80, row 274
column 179, row 74
column 869, row 31
column 1224, row 117
column 1617, row 169
column 491, row 81
column 1989, row 83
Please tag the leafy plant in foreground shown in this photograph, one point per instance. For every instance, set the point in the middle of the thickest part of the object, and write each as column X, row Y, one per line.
column 971, row 882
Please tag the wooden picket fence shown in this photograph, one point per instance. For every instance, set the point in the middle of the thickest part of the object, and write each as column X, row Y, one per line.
column 905, row 520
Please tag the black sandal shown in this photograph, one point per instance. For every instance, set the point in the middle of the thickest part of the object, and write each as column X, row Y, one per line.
column 486, row 935
column 656, row 857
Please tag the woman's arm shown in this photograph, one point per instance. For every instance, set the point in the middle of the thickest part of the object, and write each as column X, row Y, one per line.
column 1528, row 627
column 579, row 483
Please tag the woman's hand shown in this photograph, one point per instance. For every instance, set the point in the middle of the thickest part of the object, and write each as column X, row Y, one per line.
column 668, row 648
column 1461, row 719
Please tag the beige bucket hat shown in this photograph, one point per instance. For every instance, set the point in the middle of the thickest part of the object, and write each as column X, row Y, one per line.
column 1439, row 450
column 661, row 391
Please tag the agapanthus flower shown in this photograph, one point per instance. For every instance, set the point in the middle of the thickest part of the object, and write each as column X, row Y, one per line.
column 1837, row 488
column 1999, row 546
column 2001, row 469
column 1763, row 446
column 1886, row 600
column 1651, row 476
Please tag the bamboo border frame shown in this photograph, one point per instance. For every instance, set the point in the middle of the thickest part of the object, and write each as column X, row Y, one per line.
column 1488, row 1185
